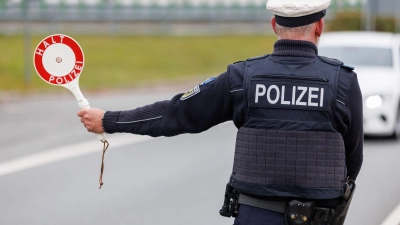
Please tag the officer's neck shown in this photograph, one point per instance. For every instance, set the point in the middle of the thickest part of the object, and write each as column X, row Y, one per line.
column 288, row 47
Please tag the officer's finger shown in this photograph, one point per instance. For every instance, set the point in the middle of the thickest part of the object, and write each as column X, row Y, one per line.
column 82, row 120
column 81, row 113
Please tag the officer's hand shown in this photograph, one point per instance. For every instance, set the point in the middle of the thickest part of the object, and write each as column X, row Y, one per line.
column 92, row 119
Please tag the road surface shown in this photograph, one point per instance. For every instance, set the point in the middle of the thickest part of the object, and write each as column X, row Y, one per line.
column 49, row 170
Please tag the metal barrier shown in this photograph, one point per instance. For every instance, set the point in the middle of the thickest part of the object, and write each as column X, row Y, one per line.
column 160, row 16
column 116, row 11
column 135, row 10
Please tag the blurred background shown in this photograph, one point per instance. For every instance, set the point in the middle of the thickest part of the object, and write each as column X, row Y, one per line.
column 141, row 51
column 128, row 36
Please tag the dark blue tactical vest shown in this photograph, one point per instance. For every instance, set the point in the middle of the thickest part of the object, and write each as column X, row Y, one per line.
column 288, row 146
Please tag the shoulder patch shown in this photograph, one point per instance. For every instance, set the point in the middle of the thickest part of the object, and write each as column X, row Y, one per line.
column 331, row 61
column 209, row 80
column 258, row 57
column 348, row 67
column 194, row 91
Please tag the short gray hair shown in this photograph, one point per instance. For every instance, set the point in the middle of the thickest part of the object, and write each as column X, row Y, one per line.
column 302, row 31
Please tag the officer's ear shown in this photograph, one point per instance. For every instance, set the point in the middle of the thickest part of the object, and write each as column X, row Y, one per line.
column 273, row 24
column 319, row 27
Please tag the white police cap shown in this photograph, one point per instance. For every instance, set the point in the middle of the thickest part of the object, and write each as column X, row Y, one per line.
column 295, row 13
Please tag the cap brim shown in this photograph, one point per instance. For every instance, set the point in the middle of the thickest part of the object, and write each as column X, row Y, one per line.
column 299, row 21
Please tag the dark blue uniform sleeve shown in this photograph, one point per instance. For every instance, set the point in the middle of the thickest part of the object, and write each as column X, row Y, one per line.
column 206, row 106
column 349, row 121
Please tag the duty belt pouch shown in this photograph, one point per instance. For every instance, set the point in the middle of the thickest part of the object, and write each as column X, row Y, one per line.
column 299, row 213
column 230, row 208
column 343, row 206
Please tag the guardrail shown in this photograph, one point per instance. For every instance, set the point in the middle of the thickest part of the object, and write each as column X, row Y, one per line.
column 114, row 10
column 41, row 11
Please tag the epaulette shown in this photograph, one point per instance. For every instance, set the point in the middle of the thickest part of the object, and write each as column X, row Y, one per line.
column 348, row 67
column 335, row 62
column 238, row 62
column 331, row 61
column 258, row 57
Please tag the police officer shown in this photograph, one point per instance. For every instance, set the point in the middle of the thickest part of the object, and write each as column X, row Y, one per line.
column 299, row 119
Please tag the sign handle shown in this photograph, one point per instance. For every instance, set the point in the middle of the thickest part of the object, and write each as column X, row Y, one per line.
column 83, row 103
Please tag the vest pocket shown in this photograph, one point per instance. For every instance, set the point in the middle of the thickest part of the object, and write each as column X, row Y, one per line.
column 306, row 159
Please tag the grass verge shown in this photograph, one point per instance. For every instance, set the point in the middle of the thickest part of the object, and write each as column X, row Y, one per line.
column 122, row 62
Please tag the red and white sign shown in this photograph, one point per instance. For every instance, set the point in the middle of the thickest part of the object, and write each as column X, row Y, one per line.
column 58, row 59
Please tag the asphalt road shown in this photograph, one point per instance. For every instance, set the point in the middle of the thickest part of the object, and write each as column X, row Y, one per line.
column 176, row 181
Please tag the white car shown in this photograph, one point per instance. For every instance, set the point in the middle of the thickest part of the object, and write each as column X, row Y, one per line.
column 376, row 58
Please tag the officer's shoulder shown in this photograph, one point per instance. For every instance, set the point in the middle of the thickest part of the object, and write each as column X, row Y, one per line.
column 258, row 57
column 239, row 66
column 345, row 80
column 335, row 62
column 238, row 62
column 236, row 73
column 243, row 62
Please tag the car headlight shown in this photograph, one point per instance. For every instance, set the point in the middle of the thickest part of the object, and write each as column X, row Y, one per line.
column 373, row 102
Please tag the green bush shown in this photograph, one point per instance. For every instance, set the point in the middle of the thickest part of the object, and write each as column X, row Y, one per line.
column 385, row 23
column 345, row 20
column 353, row 21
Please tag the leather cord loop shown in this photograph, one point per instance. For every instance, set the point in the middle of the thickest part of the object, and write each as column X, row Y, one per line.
column 106, row 144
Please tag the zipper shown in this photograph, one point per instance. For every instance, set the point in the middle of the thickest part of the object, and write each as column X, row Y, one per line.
column 292, row 77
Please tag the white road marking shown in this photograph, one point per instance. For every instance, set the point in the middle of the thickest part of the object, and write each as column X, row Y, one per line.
column 66, row 152
column 393, row 218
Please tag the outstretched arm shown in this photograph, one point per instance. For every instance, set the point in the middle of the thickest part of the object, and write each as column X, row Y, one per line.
column 199, row 109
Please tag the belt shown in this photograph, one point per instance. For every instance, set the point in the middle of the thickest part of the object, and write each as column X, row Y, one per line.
column 320, row 214
column 276, row 206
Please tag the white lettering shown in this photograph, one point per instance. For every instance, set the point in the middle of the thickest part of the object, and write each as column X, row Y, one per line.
column 51, row 79
column 283, row 102
column 311, row 96
column 74, row 72
column 79, row 62
column 321, row 104
column 294, row 95
column 52, row 40
column 62, row 37
column 258, row 93
column 46, row 44
column 275, row 94
column 59, row 80
column 299, row 102
column 269, row 94
column 39, row 52
column 78, row 67
column 65, row 79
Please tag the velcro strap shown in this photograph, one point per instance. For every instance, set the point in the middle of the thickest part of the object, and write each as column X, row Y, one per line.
column 276, row 206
